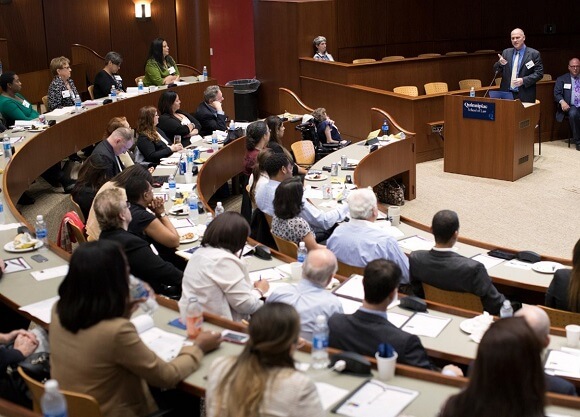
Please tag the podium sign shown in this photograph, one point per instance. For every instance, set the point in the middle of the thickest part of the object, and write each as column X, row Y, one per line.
column 478, row 110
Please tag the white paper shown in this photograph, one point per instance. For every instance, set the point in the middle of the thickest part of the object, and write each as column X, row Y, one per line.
column 397, row 319
column 313, row 193
column 352, row 288
column 166, row 345
column 413, row 243
column 563, row 364
column 349, row 306
column 41, row 310
column 270, row 274
column 487, row 261
column 422, row 324
column 15, row 265
column 329, row 394
column 60, row 112
column 178, row 223
column 286, row 269
column 55, row 272
column 10, row 226
column 514, row 263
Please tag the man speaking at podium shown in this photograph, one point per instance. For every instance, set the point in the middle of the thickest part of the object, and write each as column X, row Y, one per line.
column 521, row 68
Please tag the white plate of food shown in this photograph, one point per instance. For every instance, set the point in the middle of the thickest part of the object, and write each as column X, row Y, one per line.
column 35, row 244
column 547, row 267
column 468, row 325
column 316, row 177
column 188, row 237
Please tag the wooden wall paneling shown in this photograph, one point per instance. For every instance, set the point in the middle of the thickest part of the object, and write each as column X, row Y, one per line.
column 410, row 21
column 193, row 33
column 132, row 38
column 361, row 23
column 84, row 22
column 23, row 27
column 456, row 20
column 4, row 57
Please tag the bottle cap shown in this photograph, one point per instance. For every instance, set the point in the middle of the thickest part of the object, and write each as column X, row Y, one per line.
column 51, row 385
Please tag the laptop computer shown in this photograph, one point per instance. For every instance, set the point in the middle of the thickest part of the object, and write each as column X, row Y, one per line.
column 501, row 95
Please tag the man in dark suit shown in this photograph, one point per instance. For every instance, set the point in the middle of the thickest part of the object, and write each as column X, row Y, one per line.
column 363, row 331
column 210, row 113
column 443, row 268
column 110, row 148
column 521, row 68
column 539, row 321
column 114, row 216
column 567, row 95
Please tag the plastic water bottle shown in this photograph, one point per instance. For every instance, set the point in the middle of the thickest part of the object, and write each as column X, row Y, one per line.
column 189, row 162
column 219, row 209
column 208, row 219
column 172, row 187
column 2, row 216
column 320, row 343
column 214, row 141
column 193, row 318
column 52, row 402
column 302, row 252
column 192, row 202
column 385, row 130
column 113, row 93
column 140, row 86
column 232, row 125
column 78, row 104
column 40, row 229
column 204, row 72
column 139, row 290
column 506, row 310
column 7, row 147
column 472, row 92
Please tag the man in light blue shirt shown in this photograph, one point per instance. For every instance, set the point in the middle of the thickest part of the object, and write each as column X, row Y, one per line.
column 309, row 297
column 361, row 240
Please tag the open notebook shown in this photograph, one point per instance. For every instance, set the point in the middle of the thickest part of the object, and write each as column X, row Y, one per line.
column 165, row 344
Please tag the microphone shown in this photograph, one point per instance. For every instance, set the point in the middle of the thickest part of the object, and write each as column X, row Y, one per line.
column 491, row 83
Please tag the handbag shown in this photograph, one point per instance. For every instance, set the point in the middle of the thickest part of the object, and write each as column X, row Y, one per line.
column 234, row 134
column 36, row 366
column 390, row 192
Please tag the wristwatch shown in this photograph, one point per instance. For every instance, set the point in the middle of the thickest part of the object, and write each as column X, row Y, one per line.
column 162, row 215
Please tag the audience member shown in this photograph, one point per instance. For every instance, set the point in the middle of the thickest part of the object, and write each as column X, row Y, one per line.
column 13, row 105
column 118, row 181
column 276, row 133
column 567, row 95
column 363, row 331
column 520, row 68
column 114, row 145
column 309, row 297
column 279, row 167
column 506, row 379
column 112, row 211
column 362, row 240
column 160, row 68
column 62, row 90
column 174, row 121
column 259, row 176
column 96, row 350
column 319, row 44
column 108, row 76
column 91, row 177
column 257, row 137
column 326, row 130
column 444, row 268
column 210, row 113
column 152, row 142
column 564, row 290
column 217, row 275
column 263, row 380
column 539, row 322
column 287, row 223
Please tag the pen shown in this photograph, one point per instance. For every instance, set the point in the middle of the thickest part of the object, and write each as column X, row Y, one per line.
column 260, row 278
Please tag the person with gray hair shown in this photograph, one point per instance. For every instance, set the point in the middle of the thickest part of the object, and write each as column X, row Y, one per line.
column 539, row 321
column 114, row 145
column 114, row 215
column 362, row 240
column 319, row 44
column 108, row 76
column 309, row 296
column 210, row 113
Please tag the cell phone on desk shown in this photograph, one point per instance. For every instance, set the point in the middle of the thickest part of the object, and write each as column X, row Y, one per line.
column 235, row 337
column 39, row 258
column 348, row 179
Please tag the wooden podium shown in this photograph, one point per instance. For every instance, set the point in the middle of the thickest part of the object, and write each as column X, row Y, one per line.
column 502, row 148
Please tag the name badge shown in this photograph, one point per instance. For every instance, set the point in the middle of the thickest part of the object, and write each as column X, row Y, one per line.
column 567, row 86
column 529, row 64
column 171, row 70
column 118, row 78
column 65, row 94
column 26, row 104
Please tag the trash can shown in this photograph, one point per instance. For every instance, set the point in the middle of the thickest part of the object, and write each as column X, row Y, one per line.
column 246, row 98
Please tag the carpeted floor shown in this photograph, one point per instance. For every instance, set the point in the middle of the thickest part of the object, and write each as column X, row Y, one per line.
column 537, row 212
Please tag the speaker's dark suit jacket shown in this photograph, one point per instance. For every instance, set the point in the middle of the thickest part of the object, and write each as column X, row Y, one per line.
column 527, row 92
column 450, row 271
column 362, row 333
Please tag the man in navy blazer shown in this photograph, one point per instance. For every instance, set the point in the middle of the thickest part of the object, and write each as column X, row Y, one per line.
column 567, row 95
column 363, row 331
column 529, row 69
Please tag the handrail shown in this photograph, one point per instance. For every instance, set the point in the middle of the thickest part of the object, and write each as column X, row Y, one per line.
column 289, row 100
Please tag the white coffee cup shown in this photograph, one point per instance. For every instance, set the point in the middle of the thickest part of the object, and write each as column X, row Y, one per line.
column 189, row 178
column 386, row 366
column 573, row 335
column 394, row 213
column 296, row 268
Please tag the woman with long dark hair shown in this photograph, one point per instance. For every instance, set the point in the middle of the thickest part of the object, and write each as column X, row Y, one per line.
column 152, row 142
column 564, row 290
column 174, row 121
column 262, row 380
column 160, row 68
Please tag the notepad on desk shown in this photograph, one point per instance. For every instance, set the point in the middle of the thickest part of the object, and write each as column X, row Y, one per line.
column 413, row 243
column 563, row 363
column 41, row 309
column 422, row 324
column 165, row 344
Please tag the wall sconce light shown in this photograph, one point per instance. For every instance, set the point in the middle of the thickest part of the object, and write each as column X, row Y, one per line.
column 143, row 11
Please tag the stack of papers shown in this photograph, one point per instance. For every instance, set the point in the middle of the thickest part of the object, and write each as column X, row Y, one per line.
column 565, row 362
